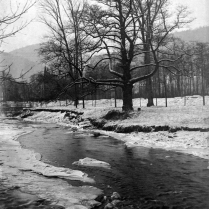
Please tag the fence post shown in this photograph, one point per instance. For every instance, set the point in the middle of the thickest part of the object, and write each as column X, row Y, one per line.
column 115, row 98
column 166, row 99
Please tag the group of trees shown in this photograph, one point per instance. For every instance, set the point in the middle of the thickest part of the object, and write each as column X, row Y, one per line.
column 107, row 44
column 132, row 35
column 48, row 86
column 194, row 76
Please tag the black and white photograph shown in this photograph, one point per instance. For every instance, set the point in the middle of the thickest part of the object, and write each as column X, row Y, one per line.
column 104, row 104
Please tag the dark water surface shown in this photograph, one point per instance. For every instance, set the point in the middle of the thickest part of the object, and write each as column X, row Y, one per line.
column 145, row 178
column 14, row 199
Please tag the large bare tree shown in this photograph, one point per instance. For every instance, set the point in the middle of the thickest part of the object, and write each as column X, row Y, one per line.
column 67, row 49
column 131, row 34
column 129, row 30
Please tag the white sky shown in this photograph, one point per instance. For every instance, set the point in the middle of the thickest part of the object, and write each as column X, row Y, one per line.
column 34, row 33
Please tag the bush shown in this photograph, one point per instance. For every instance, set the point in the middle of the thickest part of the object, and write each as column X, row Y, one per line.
column 116, row 115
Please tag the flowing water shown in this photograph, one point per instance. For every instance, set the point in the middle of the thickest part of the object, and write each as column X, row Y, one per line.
column 145, row 178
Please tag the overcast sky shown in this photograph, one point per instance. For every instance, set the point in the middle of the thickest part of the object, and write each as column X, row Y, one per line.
column 35, row 31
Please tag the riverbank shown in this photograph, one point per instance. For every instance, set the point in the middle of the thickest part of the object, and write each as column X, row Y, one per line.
column 182, row 126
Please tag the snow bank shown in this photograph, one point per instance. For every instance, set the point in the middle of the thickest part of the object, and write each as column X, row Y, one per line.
column 188, row 142
column 53, row 117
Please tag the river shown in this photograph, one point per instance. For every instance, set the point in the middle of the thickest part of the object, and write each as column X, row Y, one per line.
column 145, row 178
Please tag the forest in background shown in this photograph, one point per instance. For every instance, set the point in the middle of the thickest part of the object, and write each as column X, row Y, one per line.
column 45, row 86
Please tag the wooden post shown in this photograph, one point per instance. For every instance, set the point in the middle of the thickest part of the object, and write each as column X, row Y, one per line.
column 203, row 86
column 76, row 104
column 166, row 99
column 3, row 87
column 83, row 94
column 95, row 96
column 115, row 98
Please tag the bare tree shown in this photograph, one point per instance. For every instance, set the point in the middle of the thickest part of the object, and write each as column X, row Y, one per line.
column 67, row 47
column 201, row 61
column 66, row 44
column 130, row 30
column 157, row 23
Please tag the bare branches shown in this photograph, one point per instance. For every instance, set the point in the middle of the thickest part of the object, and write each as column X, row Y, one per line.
column 132, row 37
column 71, row 51
column 11, row 14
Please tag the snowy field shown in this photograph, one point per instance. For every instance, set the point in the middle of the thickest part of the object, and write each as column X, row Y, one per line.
column 191, row 113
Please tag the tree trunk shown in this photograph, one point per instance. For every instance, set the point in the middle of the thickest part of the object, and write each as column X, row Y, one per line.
column 149, row 91
column 197, row 84
column 83, row 99
column 76, row 98
column 95, row 104
column 127, row 97
column 165, row 86
column 115, row 97
column 159, row 87
column 203, row 86
column 178, row 86
column 194, row 85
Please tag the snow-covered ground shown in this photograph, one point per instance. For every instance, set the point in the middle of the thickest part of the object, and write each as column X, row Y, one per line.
column 181, row 112
column 191, row 113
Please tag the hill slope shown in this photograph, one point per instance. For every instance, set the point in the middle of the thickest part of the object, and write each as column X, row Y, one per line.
column 29, row 52
column 24, row 58
column 199, row 34
column 19, row 65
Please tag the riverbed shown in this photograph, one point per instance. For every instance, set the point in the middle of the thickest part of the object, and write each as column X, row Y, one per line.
column 144, row 177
